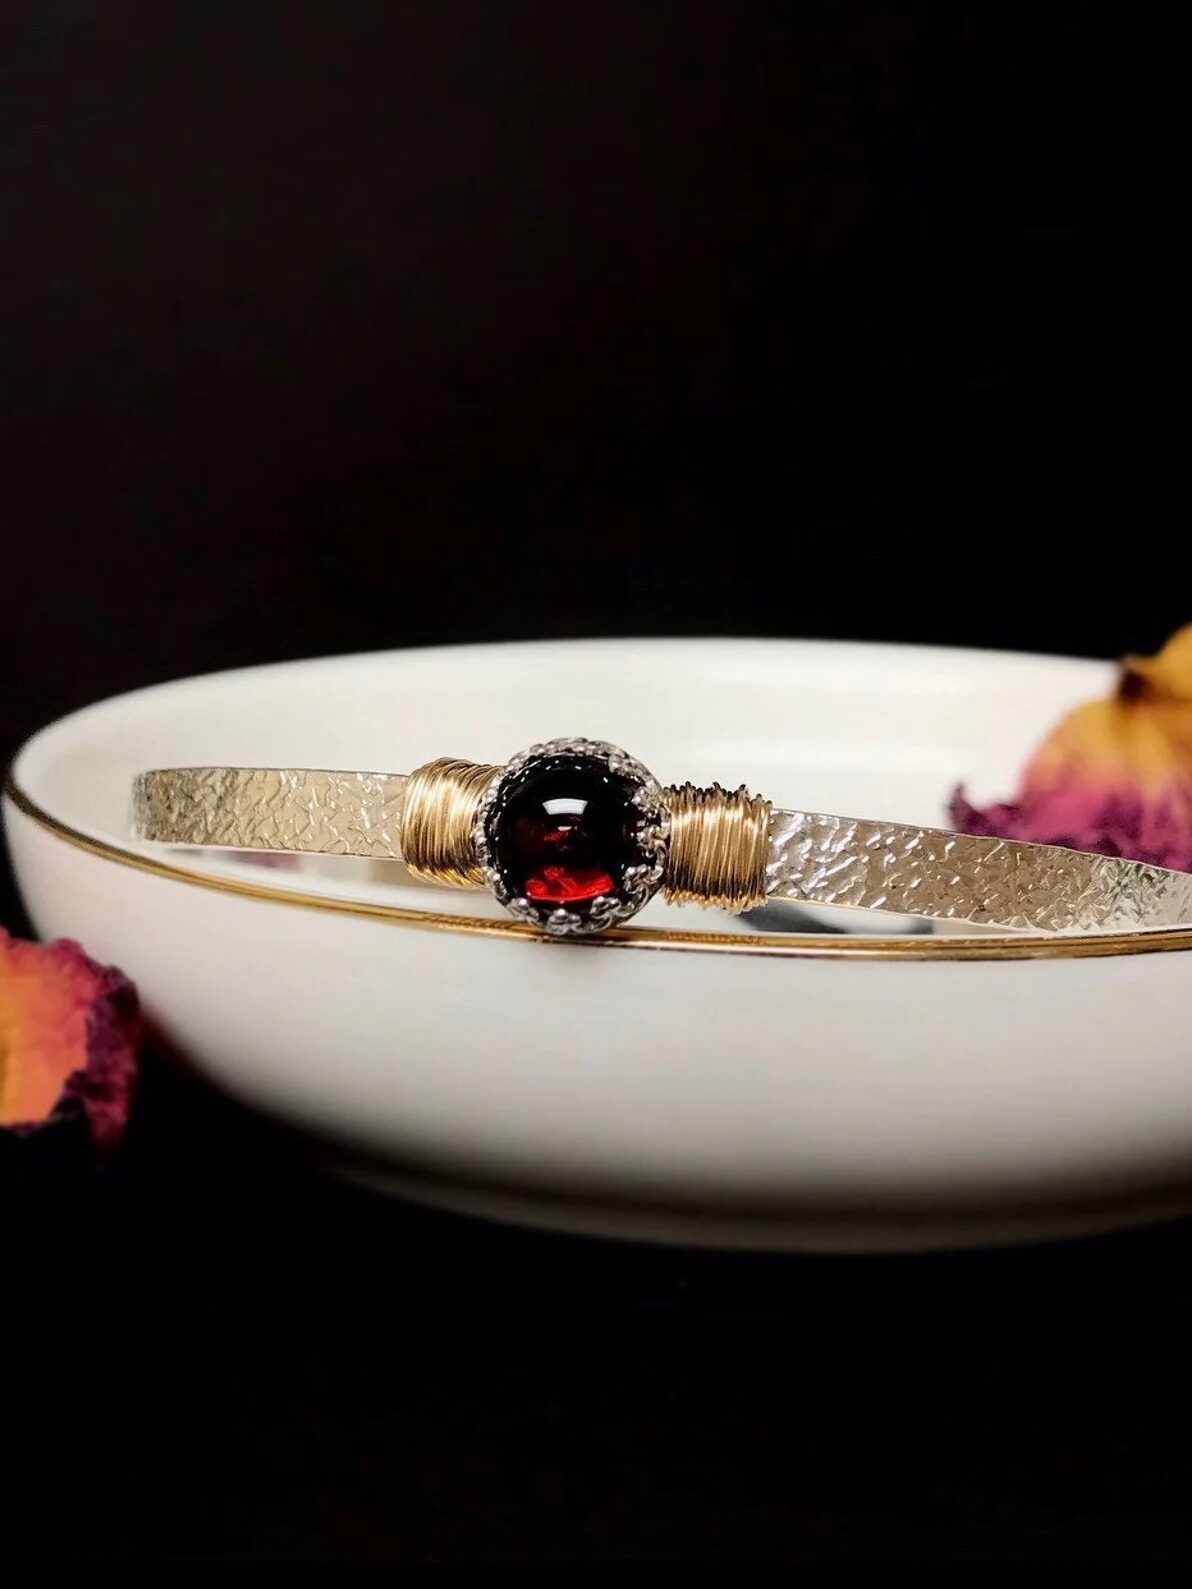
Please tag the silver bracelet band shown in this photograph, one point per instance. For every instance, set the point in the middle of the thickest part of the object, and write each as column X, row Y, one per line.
column 575, row 836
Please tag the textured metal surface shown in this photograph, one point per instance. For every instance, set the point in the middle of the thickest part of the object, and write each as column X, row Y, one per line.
column 814, row 859
column 261, row 808
column 826, row 860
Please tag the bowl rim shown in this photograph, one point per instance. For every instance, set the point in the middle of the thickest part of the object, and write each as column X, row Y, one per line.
column 828, row 946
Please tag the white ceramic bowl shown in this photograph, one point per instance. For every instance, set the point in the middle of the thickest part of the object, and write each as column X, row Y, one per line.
column 694, row 1078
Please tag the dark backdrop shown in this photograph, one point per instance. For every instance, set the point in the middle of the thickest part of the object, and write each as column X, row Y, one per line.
column 332, row 326
column 338, row 326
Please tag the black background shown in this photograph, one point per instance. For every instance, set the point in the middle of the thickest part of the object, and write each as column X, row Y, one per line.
column 339, row 326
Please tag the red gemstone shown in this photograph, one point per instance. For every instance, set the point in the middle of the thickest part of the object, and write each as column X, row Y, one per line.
column 565, row 831
column 563, row 878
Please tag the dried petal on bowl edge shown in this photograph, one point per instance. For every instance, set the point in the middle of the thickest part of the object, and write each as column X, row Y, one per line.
column 68, row 1042
column 1113, row 776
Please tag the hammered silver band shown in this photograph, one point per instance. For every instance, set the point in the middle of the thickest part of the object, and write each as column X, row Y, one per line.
column 809, row 857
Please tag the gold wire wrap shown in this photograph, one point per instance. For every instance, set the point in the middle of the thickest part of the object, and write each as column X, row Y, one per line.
column 718, row 847
column 441, row 801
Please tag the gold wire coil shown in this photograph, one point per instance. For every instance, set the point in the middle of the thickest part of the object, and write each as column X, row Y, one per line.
column 718, row 844
column 438, row 820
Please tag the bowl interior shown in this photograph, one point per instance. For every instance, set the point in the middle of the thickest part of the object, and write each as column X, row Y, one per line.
column 864, row 730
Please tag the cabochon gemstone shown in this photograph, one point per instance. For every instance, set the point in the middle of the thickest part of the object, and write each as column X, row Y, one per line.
column 564, row 831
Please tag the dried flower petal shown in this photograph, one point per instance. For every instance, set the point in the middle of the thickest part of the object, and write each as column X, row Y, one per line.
column 68, row 1039
column 1113, row 776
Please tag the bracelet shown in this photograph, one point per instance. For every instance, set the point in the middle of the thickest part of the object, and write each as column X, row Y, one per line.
column 575, row 836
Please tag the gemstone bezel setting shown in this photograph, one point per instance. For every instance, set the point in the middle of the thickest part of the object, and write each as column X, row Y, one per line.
column 638, row 882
